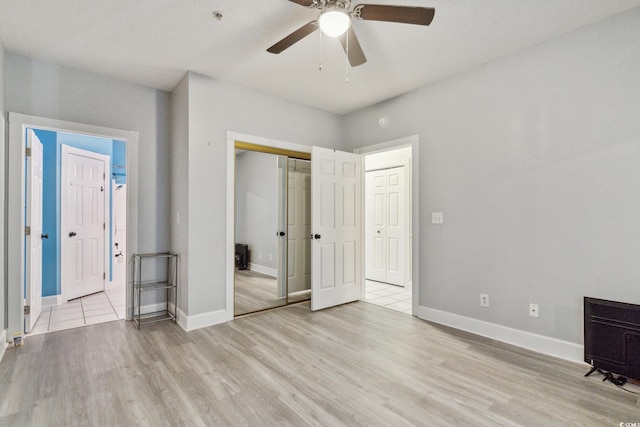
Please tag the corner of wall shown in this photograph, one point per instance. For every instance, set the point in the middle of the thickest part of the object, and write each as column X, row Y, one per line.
column 3, row 279
column 3, row 343
column 178, row 182
column 190, row 323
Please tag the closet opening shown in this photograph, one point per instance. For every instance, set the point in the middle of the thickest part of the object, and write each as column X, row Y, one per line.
column 272, row 228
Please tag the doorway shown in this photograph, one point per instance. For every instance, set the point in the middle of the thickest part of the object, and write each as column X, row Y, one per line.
column 85, row 234
column 388, row 207
column 53, row 297
column 272, row 228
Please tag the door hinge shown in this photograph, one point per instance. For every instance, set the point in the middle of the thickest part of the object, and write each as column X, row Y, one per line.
column 104, row 225
column 104, row 276
column 27, row 309
column 101, row 188
column 27, row 231
column 27, row 151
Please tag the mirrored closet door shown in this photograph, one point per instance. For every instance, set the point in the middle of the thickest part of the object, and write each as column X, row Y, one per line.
column 272, row 231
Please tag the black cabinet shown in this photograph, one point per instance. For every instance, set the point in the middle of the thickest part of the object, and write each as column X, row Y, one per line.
column 242, row 256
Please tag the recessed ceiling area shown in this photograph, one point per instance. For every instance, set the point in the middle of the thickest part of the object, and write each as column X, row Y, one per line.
column 154, row 42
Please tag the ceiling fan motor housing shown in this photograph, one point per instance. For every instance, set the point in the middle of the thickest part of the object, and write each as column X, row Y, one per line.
column 323, row 4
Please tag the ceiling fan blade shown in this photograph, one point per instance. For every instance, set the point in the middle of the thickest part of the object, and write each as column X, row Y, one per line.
column 306, row 3
column 294, row 37
column 356, row 55
column 401, row 14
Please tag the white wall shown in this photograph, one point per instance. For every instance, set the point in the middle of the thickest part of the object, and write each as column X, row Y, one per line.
column 257, row 208
column 535, row 161
column 216, row 107
column 387, row 159
column 179, row 203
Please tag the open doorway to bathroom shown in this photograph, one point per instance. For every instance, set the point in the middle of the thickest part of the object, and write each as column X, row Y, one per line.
column 84, row 230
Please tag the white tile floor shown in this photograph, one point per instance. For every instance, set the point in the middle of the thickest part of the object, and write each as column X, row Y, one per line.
column 95, row 308
column 390, row 296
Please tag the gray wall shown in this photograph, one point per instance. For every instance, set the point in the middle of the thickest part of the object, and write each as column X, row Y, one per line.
column 257, row 206
column 216, row 107
column 535, row 161
column 42, row 89
column 179, row 203
column 3, row 117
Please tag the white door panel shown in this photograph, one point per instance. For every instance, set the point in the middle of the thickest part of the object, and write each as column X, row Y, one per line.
column 335, row 211
column 83, row 223
column 35, row 164
column 385, row 238
column 299, row 228
column 282, row 243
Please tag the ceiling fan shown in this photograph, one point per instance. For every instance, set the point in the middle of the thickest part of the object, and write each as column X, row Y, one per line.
column 335, row 19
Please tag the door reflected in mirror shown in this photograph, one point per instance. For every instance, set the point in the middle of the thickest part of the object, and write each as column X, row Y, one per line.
column 299, row 230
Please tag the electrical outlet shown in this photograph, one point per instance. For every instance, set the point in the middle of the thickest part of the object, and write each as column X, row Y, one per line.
column 484, row 300
column 259, row 255
column 270, row 257
column 437, row 218
column 533, row 310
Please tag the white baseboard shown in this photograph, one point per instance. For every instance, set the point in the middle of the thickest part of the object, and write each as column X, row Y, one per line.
column 52, row 300
column 262, row 269
column 197, row 321
column 3, row 343
column 538, row 343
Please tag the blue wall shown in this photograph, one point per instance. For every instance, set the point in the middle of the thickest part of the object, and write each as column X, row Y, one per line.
column 52, row 142
column 50, row 200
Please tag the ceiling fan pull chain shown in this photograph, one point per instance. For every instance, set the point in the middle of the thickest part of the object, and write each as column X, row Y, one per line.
column 346, row 58
column 320, row 58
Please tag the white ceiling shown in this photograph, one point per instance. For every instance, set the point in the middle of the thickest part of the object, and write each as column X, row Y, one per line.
column 153, row 42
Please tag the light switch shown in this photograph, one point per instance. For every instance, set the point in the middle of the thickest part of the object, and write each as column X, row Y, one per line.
column 437, row 218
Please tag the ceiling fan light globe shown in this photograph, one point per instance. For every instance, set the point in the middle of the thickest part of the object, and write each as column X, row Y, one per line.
column 334, row 22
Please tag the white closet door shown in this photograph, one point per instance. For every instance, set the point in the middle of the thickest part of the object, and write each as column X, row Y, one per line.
column 336, row 209
column 385, row 225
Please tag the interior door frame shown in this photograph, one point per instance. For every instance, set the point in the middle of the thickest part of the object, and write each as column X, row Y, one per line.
column 232, row 138
column 414, row 142
column 15, row 221
column 68, row 149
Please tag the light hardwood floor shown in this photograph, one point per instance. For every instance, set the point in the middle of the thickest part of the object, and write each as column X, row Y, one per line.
column 255, row 291
column 357, row 364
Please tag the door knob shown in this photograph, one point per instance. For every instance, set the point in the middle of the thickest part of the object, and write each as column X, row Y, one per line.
column 44, row 236
column 316, row 236
column 73, row 233
column 378, row 231
column 281, row 233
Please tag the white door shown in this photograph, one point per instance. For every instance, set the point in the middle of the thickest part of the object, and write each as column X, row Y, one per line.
column 34, row 239
column 83, row 222
column 299, row 227
column 282, row 227
column 336, row 208
column 385, row 225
